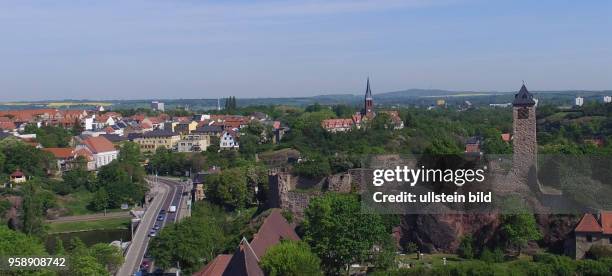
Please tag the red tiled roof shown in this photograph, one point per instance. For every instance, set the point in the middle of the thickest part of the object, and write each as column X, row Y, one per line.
column 145, row 125
column 505, row 137
column 216, row 266
column 7, row 125
column 17, row 173
column 606, row 222
column 245, row 260
column 61, row 153
column 336, row 123
column 98, row 144
column 276, row 125
column 588, row 223
column 274, row 229
column 85, row 153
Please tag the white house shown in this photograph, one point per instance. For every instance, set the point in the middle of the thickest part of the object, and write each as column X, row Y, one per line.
column 102, row 150
column 579, row 101
column 228, row 140
column 88, row 123
column 607, row 99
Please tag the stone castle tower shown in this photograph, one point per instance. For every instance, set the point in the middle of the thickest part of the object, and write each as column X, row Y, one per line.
column 368, row 108
column 524, row 136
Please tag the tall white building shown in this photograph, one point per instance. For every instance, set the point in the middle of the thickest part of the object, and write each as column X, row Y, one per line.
column 579, row 101
column 157, row 106
column 607, row 99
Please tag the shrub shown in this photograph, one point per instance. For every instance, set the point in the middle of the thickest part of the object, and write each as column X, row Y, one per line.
column 466, row 249
column 600, row 252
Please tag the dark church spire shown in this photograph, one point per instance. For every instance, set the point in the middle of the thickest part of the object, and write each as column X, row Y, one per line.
column 523, row 97
column 368, row 94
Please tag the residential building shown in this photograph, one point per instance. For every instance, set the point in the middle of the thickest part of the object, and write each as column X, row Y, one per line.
column 338, row 125
column 246, row 258
column 592, row 230
column 101, row 149
column 18, row 177
column 157, row 106
column 229, row 140
column 68, row 158
column 193, row 143
column 152, row 140
column 185, row 127
column 607, row 99
column 579, row 101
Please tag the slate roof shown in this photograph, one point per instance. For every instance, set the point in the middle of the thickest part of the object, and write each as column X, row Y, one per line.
column 523, row 98
column 159, row 133
column 4, row 135
column 114, row 138
column 209, row 129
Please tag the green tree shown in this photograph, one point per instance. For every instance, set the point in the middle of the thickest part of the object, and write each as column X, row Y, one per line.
column 32, row 210
column 59, row 246
column 192, row 242
column 229, row 188
column 100, row 200
column 290, row 258
column 466, row 249
column 519, row 229
column 85, row 265
column 108, row 255
column 339, row 233
column 13, row 243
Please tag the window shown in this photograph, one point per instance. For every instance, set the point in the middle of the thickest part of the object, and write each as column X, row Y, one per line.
column 610, row 240
column 589, row 238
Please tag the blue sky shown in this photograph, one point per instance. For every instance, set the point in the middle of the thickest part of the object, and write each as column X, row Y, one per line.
column 208, row 49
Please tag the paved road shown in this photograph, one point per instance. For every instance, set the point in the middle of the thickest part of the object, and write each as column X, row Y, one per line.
column 91, row 217
column 140, row 241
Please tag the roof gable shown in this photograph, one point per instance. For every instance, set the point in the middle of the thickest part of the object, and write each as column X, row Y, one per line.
column 98, row 144
column 588, row 223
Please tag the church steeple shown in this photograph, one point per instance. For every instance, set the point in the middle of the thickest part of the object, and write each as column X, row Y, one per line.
column 368, row 94
column 368, row 109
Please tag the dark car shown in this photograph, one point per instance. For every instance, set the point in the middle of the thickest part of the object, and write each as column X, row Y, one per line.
column 163, row 211
column 160, row 217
